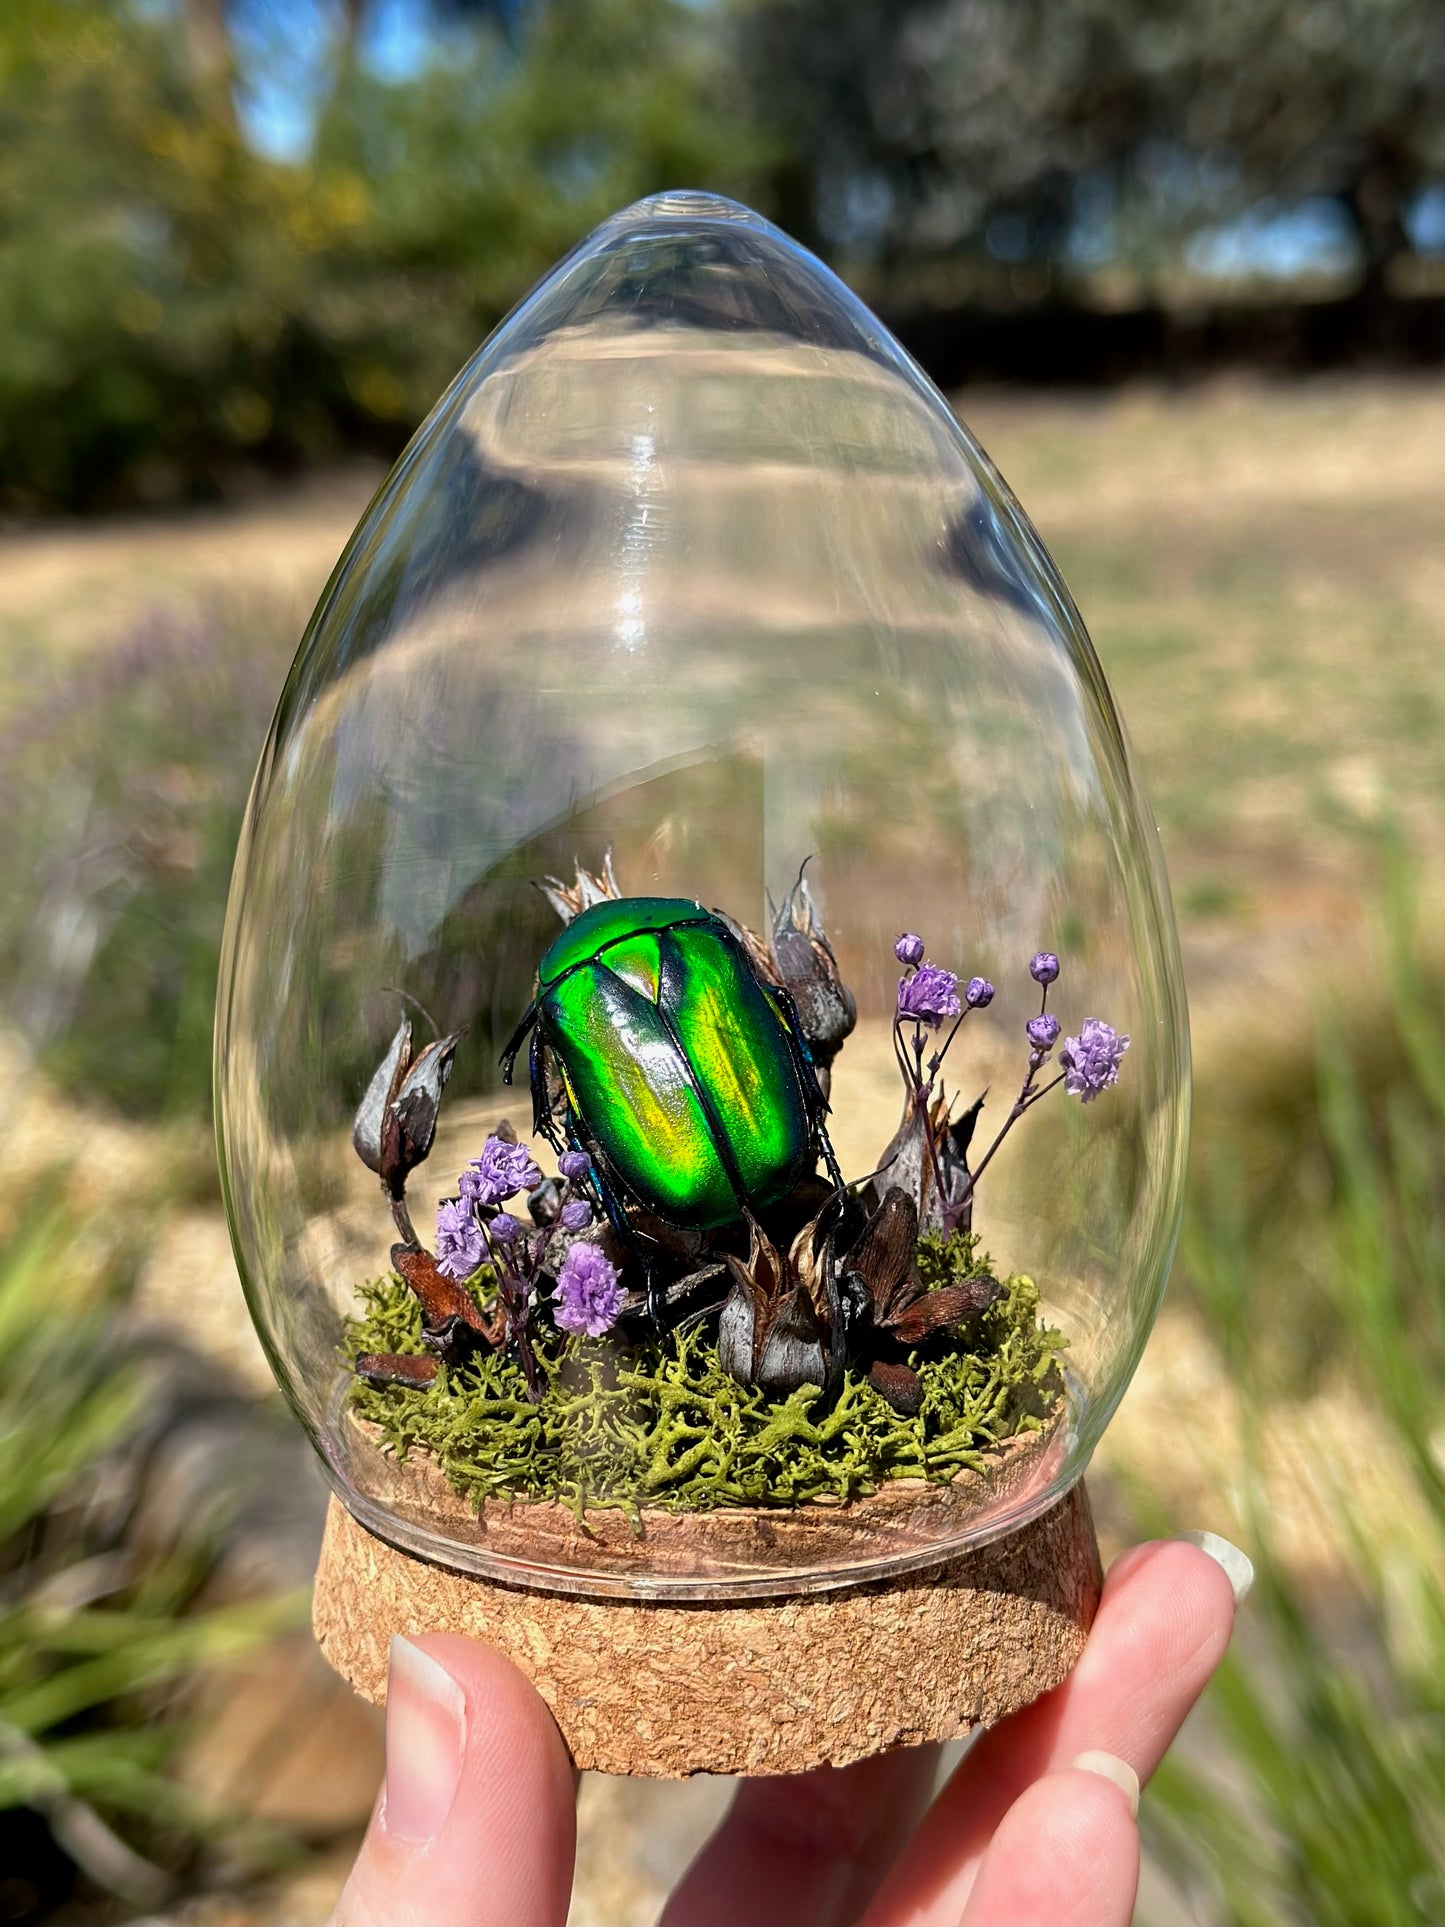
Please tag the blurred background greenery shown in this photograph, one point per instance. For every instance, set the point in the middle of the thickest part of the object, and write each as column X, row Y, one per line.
column 1183, row 269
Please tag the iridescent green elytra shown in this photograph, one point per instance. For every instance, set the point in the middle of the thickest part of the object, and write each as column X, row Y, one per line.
column 685, row 1078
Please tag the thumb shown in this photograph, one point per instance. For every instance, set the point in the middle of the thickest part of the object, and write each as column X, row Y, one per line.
column 475, row 1825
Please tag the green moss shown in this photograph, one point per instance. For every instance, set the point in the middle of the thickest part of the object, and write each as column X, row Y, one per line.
column 664, row 1425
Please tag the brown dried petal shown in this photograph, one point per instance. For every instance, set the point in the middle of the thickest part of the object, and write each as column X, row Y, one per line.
column 766, row 1266
column 899, row 1384
column 397, row 1368
column 935, row 1311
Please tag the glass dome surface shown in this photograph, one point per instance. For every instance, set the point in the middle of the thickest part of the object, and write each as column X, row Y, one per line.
column 691, row 579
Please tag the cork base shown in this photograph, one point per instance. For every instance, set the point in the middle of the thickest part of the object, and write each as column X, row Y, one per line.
column 761, row 1686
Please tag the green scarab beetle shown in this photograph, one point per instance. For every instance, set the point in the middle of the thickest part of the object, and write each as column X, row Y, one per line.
column 686, row 1079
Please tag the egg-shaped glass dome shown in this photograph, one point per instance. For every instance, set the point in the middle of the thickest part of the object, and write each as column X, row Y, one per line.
column 701, row 1060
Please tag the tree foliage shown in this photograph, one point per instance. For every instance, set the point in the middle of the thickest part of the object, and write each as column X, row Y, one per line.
column 172, row 302
column 1031, row 131
column 175, row 304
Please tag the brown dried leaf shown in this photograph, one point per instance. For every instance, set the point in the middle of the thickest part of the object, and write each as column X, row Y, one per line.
column 442, row 1299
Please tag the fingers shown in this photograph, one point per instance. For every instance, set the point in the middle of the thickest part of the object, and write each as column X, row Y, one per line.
column 1162, row 1627
column 806, row 1850
column 1066, row 1853
column 475, row 1825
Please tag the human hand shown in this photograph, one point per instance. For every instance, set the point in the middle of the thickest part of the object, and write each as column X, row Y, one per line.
column 475, row 1825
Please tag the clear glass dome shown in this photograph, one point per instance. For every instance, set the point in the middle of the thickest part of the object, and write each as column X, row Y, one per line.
column 691, row 586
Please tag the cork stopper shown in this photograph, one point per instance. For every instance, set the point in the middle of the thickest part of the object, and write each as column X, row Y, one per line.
column 760, row 1686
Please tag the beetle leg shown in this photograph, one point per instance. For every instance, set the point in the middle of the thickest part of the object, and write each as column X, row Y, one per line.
column 543, row 1119
column 514, row 1043
column 622, row 1229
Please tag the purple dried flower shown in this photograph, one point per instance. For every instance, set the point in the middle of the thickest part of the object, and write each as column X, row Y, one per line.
column 1090, row 1061
column 500, row 1172
column 1043, row 1031
column 576, row 1215
column 909, row 949
column 929, row 995
column 504, row 1228
column 574, row 1165
column 1044, row 967
column 459, row 1239
column 978, row 993
column 588, row 1297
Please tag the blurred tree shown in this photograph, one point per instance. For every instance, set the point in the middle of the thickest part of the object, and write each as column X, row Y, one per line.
column 1029, row 133
column 173, row 302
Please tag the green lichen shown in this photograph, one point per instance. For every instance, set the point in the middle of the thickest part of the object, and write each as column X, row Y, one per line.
column 946, row 1258
column 662, row 1424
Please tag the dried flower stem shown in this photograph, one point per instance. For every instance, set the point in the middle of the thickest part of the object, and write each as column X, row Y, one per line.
column 921, row 1091
column 515, row 1291
column 1025, row 1101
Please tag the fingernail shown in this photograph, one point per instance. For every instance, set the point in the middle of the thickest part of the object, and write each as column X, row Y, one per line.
column 426, row 1736
column 1237, row 1568
column 1110, row 1767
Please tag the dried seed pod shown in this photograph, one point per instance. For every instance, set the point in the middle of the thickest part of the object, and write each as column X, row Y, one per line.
column 569, row 900
column 792, row 1349
column 396, row 1121
column 805, row 966
column 883, row 1257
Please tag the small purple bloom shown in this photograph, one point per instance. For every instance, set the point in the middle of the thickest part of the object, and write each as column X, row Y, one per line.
column 504, row 1228
column 576, row 1215
column 500, row 1172
column 929, row 995
column 1091, row 1060
column 574, row 1165
column 1043, row 1031
column 459, row 1239
column 909, row 949
column 588, row 1297
column 1045, row 967
column 979, row 993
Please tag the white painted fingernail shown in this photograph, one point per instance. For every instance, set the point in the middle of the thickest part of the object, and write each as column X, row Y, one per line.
column 1238, row 1569
column 1110, row 1767
column 426, row 1738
